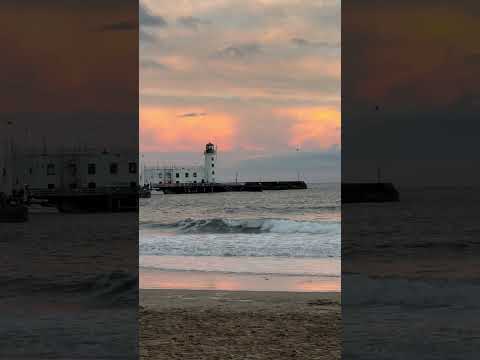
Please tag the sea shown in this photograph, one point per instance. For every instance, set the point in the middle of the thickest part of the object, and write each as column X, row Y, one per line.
column 272, row 240
column 69, row 286
column 410, row 276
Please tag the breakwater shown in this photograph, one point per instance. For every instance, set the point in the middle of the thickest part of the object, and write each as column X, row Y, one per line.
column 227, row 187
column 369, row 192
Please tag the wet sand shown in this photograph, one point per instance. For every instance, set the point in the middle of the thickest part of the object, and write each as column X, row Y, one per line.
column 195, row 324
column 195, row 280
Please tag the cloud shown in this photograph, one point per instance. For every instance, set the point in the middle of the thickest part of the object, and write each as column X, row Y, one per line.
column 313, row 127
column 264, row 93
column 148, row 19
column 311, row 166
column 165, row 130
column 472, row 59
column 292, row 162
column 120, row 26
column 146, row 38
column 422, row 77
column 152, row 64
column 300, row 42
column 239, row 51
column 191, row 22
column 192, row 114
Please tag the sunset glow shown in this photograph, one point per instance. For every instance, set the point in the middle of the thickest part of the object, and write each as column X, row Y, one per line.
column 425, row 49
column 314, row 127
column 258, row 78
column 184, row 129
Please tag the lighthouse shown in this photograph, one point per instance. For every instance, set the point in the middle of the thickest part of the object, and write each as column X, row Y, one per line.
column 210, row 155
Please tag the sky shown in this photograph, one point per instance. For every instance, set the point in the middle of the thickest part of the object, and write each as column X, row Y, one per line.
column 410, row 94
column 70, row 74
column 259, row 78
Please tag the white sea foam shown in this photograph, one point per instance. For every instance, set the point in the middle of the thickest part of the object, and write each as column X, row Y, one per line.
column 240, row 244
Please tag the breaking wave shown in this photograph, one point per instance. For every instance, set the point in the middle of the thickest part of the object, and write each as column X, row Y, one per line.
column 251, row 226
column 113, row 288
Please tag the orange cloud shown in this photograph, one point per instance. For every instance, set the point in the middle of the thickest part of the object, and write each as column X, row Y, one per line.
column 180, row 63
column 65, row 62
column 326, row 67
column 424, row 61
column 318, row 126
column 168, row 129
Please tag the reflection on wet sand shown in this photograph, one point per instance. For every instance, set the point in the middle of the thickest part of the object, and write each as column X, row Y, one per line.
column 153, row 279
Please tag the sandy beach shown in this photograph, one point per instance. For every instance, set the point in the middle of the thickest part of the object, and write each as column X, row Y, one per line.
column 195, row 324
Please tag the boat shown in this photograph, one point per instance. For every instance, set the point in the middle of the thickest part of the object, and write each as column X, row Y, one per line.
column 11, row 211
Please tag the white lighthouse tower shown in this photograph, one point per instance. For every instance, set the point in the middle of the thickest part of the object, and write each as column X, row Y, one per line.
column 210, row 155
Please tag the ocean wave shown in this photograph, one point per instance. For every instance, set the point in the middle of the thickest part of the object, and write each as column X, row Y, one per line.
column 114, row 288
column 253, row 226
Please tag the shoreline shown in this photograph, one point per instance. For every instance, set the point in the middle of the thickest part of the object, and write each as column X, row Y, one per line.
column 158, row 299
column 209, row 324
column 216, row 281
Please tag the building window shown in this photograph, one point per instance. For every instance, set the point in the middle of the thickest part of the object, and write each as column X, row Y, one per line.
column 132, row 168
column 186, row 175
column 30, row 171
column 213, row 165
column 194, row 174
column 73, row 186
column 4, row 172
column 92, row 169
column 51, row 186
column 177, row 182
column 133, row 184
column 177, row 175
column 51, row 169
column 92, row 185
column 113, row 168
column 73, row 169
column 213, row 172
column 195, row 181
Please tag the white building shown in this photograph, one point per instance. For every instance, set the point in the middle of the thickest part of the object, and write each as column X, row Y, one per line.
column 79, row 169
column 156, row 175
